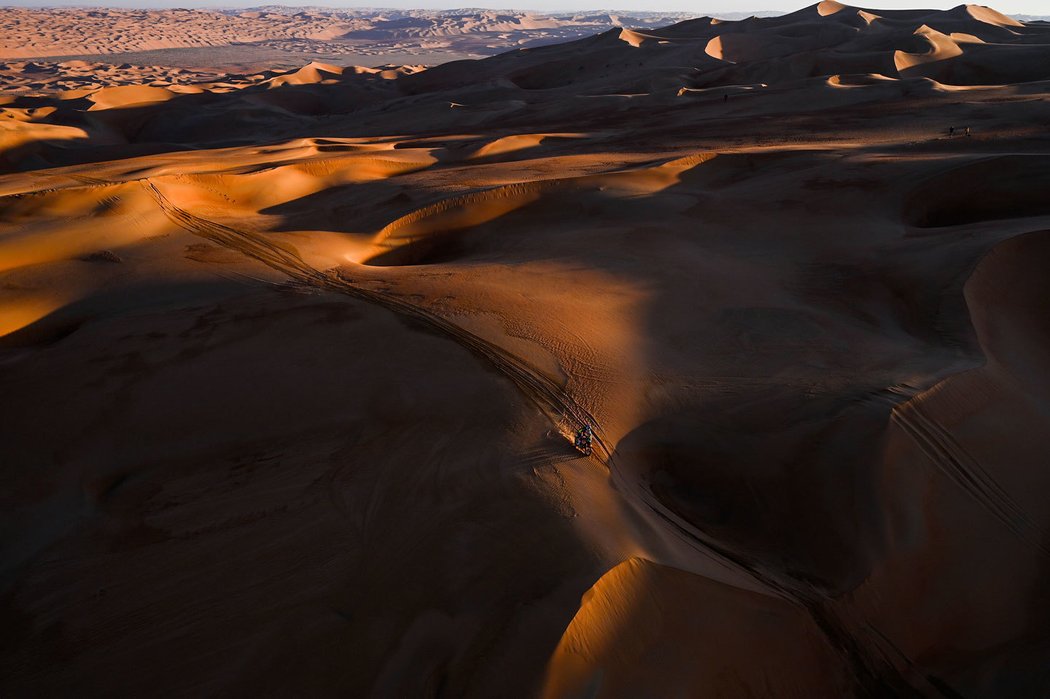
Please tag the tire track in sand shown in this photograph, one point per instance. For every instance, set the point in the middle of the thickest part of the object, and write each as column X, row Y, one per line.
column 874, row 676
column 544, row 392
column 942, row 449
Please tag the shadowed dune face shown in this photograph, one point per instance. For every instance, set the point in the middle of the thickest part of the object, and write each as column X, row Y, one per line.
column 738, row 469
column 1013, row 187
column 1007, row 294
column 291, row 362
column 968, row 441
column 280, row 511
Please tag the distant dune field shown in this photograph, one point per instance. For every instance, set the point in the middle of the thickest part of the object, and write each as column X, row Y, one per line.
column 68, row 48
column 291, row 356
column 270, row 36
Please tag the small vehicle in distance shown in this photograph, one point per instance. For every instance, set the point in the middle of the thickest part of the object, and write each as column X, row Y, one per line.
column 584, row 440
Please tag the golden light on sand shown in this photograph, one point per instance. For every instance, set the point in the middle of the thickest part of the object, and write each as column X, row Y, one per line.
column 649, row 355
column 17, row 314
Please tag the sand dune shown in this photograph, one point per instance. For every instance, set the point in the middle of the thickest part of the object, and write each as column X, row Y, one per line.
column 194, row 38
column 291, row 359
column 640, row 626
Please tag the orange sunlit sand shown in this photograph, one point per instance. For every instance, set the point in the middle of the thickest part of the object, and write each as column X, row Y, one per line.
column 292, row 362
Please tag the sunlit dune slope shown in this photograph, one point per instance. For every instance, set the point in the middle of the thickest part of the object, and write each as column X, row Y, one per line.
column 291, row 363
column 643, row 625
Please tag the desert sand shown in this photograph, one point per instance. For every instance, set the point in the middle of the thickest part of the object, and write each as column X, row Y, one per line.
column 282, row 37
column 290, row 361
column 46, row 50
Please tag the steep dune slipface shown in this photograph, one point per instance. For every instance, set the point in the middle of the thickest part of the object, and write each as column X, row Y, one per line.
column 964, row 479
column 644, row 626
column 990, row 16
column 291, row 363
column 1012, row 187
column 1006, row 295
column 942, row 47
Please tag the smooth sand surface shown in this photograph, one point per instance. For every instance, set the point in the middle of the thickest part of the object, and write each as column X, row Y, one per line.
column 290, row 360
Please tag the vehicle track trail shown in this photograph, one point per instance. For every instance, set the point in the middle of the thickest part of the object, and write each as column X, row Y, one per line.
column 873, row 674
column 942, row 449
column 544, row 392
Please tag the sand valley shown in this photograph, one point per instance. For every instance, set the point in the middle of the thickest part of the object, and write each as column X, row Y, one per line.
column 291, row 358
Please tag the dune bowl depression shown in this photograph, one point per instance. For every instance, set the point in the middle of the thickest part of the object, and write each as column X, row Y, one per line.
column 291, row 361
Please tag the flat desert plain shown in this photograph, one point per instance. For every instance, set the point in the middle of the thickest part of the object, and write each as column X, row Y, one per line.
column 290, row 363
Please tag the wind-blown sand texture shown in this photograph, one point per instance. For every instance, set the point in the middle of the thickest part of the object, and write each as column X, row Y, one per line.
column 289, row 362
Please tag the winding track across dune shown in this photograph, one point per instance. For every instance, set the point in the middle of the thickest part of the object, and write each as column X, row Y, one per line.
column 758, row 338
column 866, row 655
column 548, row 396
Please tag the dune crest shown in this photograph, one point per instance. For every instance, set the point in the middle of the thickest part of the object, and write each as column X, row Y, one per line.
column 310, row 74
column 297, row 357
column 632, row 38
column 826, row 8
column 127, row 96
column 714, row 48
column 987, row 15
column 621, row 635
column 942, row 47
